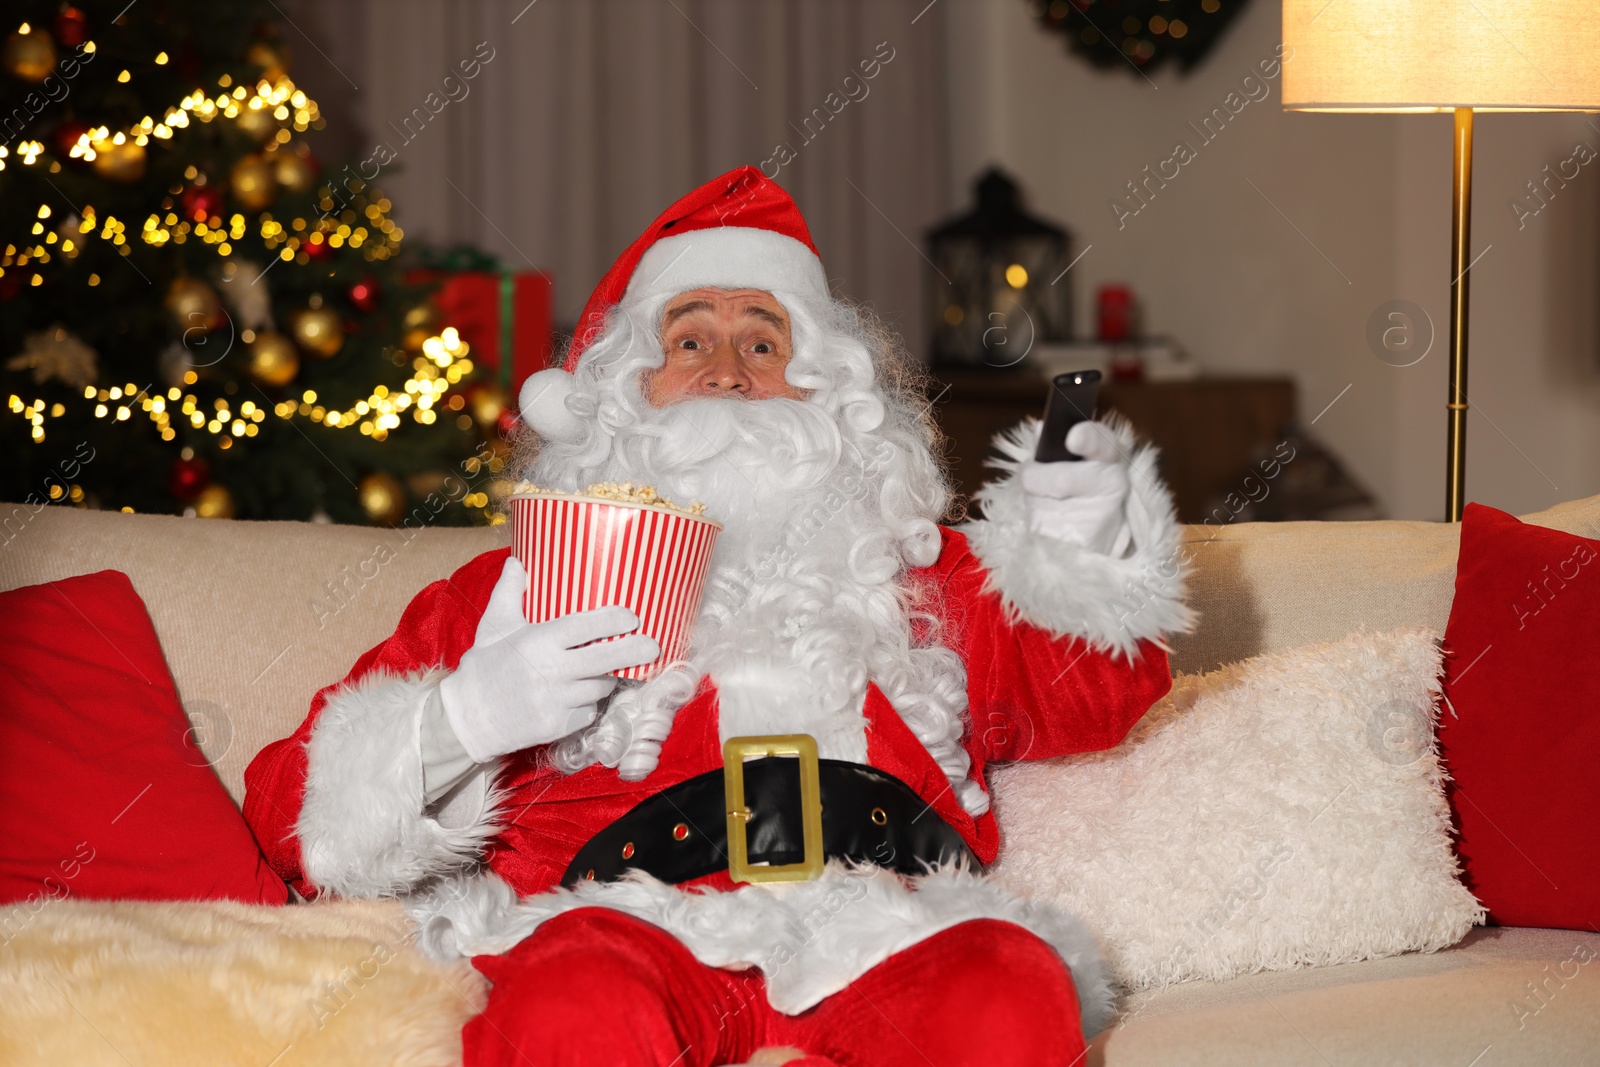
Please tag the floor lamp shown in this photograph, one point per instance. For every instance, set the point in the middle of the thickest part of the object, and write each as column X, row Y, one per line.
column 1460, row 56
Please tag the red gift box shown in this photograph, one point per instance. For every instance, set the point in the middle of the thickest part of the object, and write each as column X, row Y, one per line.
column 496, row 311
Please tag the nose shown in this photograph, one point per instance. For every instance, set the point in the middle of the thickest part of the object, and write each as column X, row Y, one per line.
column 725, row 373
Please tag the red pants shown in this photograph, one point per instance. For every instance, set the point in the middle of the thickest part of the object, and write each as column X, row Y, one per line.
column 596, row 987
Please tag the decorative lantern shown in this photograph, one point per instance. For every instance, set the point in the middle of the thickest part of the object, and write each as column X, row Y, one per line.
column 996, row 288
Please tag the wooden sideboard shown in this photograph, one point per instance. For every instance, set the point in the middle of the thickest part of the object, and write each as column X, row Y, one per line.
column 1210, row 430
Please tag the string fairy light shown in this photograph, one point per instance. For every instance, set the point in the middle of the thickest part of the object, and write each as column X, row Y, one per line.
column 351, row 219
column 443, row 363
column 362, row 224
column 281, row 98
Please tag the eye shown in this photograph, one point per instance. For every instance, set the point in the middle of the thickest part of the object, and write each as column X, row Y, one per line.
column 762, row 348
column 689, row 342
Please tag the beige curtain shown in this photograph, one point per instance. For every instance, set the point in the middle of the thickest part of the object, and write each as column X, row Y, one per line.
column 593, row 115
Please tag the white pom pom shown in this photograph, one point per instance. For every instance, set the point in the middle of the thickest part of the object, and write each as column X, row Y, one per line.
column 543, row 404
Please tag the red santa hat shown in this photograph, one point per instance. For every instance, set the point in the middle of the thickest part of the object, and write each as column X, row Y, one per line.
column 737, row 231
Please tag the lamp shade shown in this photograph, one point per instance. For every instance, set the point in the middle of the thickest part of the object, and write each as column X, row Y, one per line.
column 1437, row 55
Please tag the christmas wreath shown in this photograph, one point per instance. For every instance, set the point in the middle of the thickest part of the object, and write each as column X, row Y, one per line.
column 1141, row 34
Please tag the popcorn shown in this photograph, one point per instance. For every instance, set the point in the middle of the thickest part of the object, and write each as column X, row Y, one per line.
column 622, row 493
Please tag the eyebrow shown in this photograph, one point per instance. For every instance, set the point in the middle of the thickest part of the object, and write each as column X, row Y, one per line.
column 679, row 312
column 763, row 313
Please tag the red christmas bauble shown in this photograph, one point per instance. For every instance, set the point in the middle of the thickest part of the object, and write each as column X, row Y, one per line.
column 202, row 202
column 316, row 250
column 71, row 27
column 364, row 294
column 65, row 137
column 186, row 477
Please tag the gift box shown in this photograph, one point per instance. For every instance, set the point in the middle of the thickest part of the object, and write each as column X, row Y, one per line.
column 585, row 552
column 504, row 315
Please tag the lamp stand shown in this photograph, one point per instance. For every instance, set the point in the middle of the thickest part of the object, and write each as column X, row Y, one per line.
column 1460, row 267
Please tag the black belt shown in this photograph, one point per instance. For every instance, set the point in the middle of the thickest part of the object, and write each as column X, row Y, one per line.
column 681, row 833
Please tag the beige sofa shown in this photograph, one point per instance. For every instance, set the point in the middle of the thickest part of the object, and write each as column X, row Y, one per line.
column 254, row 617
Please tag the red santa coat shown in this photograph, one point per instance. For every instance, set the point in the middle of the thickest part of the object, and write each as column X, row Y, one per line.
column 1062, row 647
column 1031, row 695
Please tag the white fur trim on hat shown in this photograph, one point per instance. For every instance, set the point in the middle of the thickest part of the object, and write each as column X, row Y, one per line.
column 728, row 257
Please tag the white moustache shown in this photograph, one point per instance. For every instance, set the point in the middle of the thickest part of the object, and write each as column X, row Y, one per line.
column 713, row 445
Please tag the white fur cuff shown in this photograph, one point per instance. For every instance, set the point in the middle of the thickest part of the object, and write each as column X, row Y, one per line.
column 1113, row 602
column 362, row 827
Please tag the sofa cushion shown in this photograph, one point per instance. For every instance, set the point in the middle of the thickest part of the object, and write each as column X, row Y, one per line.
column 1523, row 730
column 1501, row 996
column 103, row 791
column 1269, row 586
column 1285, row 811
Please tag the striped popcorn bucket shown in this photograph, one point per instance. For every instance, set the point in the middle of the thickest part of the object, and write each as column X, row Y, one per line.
column 582, row 552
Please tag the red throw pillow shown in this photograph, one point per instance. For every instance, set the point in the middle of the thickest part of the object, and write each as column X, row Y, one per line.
column 103, row 792
column 1522, row 730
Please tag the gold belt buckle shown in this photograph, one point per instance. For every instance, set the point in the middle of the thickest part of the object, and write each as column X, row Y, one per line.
column 734, row 751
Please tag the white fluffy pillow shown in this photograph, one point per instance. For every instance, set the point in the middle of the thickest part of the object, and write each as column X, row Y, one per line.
column 1279, row 812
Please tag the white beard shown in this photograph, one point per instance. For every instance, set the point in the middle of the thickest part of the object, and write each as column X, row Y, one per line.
column 805, row 602
column 787, row 622
column 753, row 463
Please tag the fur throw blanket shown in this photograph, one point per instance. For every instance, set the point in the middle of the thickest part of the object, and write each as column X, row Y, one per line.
column 88, row 983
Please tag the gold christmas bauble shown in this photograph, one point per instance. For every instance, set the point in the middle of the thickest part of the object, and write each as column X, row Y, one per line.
column 30, row 56
column 270, row 56
column 194, row 305
column 294, row 171
column 257, row 124
column 419, row 324
column 214, row 502
column 318, row 330
column 122, row 163
column 488, row 402
column 382, row 497
column 273, row 360
column 424, row 482
column 252, row 183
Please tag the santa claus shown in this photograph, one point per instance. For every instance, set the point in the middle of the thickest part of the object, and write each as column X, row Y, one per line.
column 570, row 833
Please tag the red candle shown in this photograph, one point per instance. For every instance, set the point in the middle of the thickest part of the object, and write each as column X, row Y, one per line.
column 1114, row 313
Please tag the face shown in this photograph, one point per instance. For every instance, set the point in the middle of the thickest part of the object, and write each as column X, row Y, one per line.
column 723, row 342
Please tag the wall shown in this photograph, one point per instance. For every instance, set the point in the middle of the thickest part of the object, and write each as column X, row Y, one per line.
column 1273, row 246
column 1533, row 437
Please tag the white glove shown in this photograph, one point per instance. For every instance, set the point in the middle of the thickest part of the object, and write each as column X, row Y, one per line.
column 1081, row 501
column 523, row 684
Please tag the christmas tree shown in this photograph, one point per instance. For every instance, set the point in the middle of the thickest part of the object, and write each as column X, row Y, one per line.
column 195, row 316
